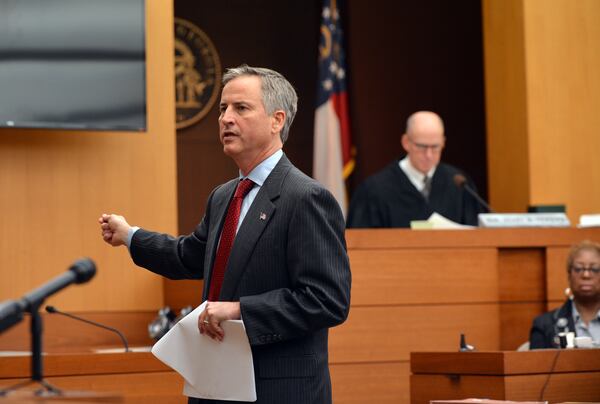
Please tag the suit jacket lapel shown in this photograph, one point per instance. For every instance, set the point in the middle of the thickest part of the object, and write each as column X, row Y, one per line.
column 256, row 220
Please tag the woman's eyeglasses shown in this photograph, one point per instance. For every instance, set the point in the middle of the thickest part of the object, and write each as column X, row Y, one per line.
column 591, row 270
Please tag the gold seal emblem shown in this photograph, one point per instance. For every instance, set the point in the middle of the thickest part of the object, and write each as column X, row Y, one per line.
column 197, row 73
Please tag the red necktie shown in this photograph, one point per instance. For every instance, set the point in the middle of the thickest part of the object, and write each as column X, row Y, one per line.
column 227, row 237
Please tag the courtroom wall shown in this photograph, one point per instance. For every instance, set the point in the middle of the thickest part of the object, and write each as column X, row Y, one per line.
column 402, row 57
column 543, row 97
column 55, row 184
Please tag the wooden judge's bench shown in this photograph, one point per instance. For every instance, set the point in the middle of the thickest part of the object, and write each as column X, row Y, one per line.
column 412, row 291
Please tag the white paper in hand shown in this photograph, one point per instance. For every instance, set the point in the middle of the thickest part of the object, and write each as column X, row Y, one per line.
column 211, row 369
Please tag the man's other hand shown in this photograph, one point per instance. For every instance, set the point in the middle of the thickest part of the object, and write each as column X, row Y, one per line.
column 114, row 229
column 209, row 321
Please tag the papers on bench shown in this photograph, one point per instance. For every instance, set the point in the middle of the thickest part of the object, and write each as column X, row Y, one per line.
column 211, row 369
column 589, row 220
column 437, row 221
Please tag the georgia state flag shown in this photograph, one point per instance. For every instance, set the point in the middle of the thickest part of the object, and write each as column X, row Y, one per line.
column 333, row 161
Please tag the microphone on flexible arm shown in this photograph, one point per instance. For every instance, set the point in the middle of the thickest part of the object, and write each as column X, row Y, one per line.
column 11, row 311
column 461, row 182
column 54, row 310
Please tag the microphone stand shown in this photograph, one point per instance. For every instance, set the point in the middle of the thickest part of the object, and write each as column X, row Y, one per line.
column 37, row 375
column 477, row 197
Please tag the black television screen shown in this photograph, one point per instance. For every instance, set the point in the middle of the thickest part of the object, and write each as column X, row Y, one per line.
column 73, row 64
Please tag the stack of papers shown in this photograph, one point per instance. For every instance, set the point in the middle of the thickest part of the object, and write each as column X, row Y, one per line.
column 589, row 221
column 437, row 221
column 211, row 369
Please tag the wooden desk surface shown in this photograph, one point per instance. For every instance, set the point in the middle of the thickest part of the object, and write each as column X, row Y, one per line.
column 500, row 238
column 505, row 362
column 552, row 375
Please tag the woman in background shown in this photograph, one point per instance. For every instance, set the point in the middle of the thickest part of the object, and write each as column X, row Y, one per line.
column 580, row 314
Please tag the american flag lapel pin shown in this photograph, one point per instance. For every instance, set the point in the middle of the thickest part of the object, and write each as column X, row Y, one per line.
column 263, row 216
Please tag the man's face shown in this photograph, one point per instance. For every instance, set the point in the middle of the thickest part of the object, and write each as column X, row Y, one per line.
column 424, row 144
column 245, row 129
column 584, row 283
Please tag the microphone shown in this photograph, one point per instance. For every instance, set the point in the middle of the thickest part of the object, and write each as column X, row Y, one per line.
column 562, row 323
column 81, row 271
column 561, row 332
column 11, row 311
column 54, row 310
column 461, row 182
column 464, row 347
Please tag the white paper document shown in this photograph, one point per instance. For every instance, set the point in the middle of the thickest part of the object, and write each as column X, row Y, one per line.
column 211, row 369
column 589, row 220
column 437, row 221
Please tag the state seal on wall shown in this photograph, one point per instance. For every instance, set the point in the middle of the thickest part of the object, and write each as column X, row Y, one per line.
column 197, row 73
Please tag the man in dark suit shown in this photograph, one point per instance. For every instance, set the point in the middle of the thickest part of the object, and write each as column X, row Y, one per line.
column 416, row 186
column 286, row 271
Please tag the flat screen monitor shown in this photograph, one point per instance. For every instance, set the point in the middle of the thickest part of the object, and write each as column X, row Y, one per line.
column 73, row 64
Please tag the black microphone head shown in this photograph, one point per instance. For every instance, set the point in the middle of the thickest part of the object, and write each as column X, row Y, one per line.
column 84, row 269
column 460, row 180
column 50, row 309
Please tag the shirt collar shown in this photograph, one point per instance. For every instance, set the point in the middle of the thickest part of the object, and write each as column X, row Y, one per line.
column 577, row 316
column 412, row 172
column 260, row 173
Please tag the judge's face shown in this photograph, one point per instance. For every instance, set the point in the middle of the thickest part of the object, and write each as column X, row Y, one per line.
column 583, row 281
column 424, row 143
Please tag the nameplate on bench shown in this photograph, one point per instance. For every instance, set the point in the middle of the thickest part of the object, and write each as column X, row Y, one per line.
column 497, row 220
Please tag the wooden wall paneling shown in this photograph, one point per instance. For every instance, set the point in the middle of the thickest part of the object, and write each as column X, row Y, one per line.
column 574, row 387
column 56, row 183
column 390, row 333
column 381, row 383
column 413, row 276
column 542, row 95
column 506, row 105
column 521, row 274
column 521, row 287
column 515, row 322
column 182, row 293
column 556, row 275
column 453, row 387
column 562, row 41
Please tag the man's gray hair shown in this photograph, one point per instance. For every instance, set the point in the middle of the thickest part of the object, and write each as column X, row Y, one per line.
column 277, row 92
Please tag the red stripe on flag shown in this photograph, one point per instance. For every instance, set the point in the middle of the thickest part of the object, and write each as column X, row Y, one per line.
column 340, row 105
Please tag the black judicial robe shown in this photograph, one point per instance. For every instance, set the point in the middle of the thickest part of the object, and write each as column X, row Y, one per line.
column 389, row 199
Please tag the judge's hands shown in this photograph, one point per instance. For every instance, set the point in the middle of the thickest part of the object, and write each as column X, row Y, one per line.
column 114, row 229
column 209, row 321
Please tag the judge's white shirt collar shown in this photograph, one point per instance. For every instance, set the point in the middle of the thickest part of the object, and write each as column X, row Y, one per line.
column 416, row 177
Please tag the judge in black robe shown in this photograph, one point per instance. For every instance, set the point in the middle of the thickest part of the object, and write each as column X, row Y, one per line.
column 389, row 199
column 417, row 186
